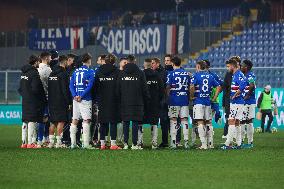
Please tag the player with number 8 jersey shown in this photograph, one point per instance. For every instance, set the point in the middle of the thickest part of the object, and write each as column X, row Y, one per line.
column 201, row 86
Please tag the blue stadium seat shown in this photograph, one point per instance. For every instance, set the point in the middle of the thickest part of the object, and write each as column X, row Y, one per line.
column 263, row 44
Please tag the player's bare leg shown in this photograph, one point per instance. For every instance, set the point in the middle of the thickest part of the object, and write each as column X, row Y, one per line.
column 60, row 126
column 51, row 135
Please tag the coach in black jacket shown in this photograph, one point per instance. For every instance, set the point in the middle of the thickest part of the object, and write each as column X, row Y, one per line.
column 59, row 99
column 164, row 118
column 156, row 89
column 108, row 106
column 132, row 91
column 152, row 107
column 33, row 96
column 32, row 92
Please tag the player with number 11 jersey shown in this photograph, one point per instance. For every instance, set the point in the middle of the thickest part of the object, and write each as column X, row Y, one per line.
column 80, row 86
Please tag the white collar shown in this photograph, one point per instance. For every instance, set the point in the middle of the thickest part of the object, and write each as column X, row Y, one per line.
column 43, row 65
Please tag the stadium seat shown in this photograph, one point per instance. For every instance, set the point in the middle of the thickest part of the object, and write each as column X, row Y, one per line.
column 263, row 44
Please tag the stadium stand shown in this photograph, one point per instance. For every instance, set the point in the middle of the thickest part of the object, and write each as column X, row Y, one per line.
column 263, row 44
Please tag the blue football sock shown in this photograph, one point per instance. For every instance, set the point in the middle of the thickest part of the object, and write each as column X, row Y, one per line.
column 40, row 131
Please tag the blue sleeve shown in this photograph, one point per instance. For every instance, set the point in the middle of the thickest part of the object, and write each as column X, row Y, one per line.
column 242, row 84
column 214, row 82
column 219, row 80
column 90, row 84
column 71, row 86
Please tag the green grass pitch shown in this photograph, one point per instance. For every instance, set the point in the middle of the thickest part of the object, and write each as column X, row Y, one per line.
column 260, row 167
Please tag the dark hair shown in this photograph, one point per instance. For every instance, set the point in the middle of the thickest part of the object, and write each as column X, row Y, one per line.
column 176, row 60
column 110, row 59
column 207, row 62
column 168, row 55
column 147, row 60
column 157, row 60
column 131, row 58
column 248, row 63
column 71, row 55
column 54, row 54
column 44, row 54
column 33, row 59
column 103, row 56
column 233, row 62
column 202, row 64
column 123, row 58
column 62, row 58
column 86, row 57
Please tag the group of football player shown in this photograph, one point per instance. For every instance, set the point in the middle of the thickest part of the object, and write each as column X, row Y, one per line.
column 68, row 102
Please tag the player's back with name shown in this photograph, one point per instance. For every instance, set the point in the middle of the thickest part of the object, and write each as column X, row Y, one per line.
column 81, row 82
column 178, row 80
column 203, row 82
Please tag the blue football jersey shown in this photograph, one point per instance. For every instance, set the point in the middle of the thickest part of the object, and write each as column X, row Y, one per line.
column 203, row 82
column 238, row 83
column 81, row 82
column 250, row 78
column 216, row 77
column 178, row 80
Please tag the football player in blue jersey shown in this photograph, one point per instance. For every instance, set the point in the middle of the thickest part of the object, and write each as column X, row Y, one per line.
column 178, row 95
column 201, row 86
column 236, row 104
column 250, row 103
column 214, row 105
column 80, row 86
